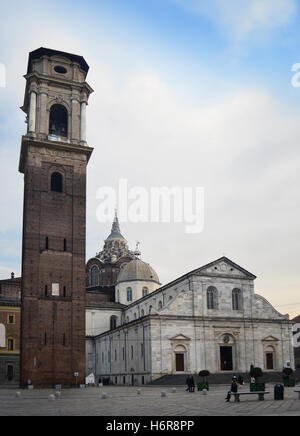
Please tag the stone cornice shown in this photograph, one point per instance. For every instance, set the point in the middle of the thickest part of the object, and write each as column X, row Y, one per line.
column 54, row 145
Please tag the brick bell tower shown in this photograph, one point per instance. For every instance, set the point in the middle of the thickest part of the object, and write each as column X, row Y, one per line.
column 54, row 157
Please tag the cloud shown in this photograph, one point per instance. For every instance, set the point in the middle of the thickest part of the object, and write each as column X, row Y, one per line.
column 241, row 18
column 243, row 149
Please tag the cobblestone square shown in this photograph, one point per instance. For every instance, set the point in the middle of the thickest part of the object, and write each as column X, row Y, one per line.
column 126, row 401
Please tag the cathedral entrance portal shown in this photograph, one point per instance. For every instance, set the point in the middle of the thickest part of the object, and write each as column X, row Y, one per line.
column 226, row 358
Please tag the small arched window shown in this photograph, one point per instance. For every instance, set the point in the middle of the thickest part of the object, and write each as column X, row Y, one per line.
column 10, row 344
column 129, row 294
column 212, row 298
column 142, row 312
column 56, row 182
column 237, row 303
column 58, row 121
column 113, row 322
column 94, row 272
column 145, row 292
column 160, row 305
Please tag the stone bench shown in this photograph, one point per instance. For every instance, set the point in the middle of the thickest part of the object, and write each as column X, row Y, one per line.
column 298, row 393
column 261, row 395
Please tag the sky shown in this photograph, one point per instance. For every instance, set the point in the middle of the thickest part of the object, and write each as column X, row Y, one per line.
column 187, row 93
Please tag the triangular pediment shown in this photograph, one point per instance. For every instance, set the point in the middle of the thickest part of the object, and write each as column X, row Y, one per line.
column 226, row 268
column 180, row 337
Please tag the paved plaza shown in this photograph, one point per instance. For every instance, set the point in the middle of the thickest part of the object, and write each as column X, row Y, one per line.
column 125, row 401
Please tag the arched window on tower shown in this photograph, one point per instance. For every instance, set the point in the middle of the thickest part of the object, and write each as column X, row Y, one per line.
column 212, row 298
column 94, row 273
column 58, row 121
column 56, row 182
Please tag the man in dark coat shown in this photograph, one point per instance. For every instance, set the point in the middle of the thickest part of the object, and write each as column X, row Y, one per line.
column 233, row 389
column 188, row 383
column 192, row 385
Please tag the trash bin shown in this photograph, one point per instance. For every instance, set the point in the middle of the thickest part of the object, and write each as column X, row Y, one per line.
column 278, row 392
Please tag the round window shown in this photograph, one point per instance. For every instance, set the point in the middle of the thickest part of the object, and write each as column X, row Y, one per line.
column 60, row 70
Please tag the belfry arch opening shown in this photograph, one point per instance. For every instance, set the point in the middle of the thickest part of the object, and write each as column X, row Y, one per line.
column 58, row 122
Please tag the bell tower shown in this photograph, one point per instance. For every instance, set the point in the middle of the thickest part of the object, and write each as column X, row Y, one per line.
column 54, row 157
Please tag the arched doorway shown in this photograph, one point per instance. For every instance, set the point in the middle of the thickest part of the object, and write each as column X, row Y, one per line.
column 180, row 358
column 270, row 358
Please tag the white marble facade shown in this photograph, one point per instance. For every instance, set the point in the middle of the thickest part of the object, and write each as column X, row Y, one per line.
column 208, row 319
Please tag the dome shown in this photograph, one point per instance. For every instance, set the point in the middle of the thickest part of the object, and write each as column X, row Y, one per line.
column 137, row 270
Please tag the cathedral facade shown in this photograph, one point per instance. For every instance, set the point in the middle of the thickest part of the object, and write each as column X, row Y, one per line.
column 210, row 318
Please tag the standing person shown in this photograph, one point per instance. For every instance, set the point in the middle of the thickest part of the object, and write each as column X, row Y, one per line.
column 233, row 389
column 188, row 383
column 192, row 384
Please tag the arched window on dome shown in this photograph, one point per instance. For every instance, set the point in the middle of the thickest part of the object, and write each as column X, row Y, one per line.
column 145, row 291
column 113, row 322
column 94, row 276
column 212, row 298
column 129, row 294
column 160, row 305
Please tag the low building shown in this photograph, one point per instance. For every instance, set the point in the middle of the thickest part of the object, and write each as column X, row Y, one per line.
column 10, row 312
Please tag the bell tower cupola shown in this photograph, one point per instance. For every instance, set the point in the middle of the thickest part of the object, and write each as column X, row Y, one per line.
column 56, row 96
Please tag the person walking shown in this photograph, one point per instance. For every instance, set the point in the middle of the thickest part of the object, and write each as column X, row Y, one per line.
column 192, row 384
column 188, row 383
column 233, row 389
